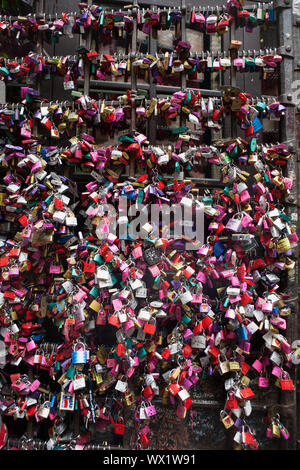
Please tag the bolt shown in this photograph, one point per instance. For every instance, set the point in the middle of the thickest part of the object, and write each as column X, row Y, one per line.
column 298, row 63
column 287, row 2
column 288, row 48
column 298, row 21
column 290, row 147
column 289, row 97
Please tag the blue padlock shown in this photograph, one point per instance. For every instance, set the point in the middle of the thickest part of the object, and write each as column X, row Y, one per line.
column 219, row 248
column 242, row 333
column 79, row 356
column 257, row 125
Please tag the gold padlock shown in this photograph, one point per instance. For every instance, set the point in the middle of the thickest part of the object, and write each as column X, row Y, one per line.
column 283, row 245
column 224, row 367
column 14, row 315
column 277, row 382
column 98, row 379
column 175, row 373
column 129, row 399
column 159, row 340
column 102, row 355
column 226, row 420
column 235, row 44
column 245, row 380
column 234, row 366
column 151, row 348
column 289, row 264
column 275, row 430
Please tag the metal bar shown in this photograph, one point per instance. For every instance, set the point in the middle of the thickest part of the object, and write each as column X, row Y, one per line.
column 233, row 54
column 160, row 89
column 140, row 55
column 151, row 128
column 183, row 38
column 41, row 6
column 294, row 171
column 285, row 28
column 204, row 182
column 87, row 62
column 147, row 7
column 133, row 85
column 37, row 444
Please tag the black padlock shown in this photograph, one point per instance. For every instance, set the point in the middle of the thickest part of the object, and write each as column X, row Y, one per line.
column 151, row 256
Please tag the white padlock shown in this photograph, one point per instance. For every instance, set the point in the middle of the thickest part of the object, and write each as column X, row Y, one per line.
column 186, row 296
column 121, row 386
column 79, row 383
column 144, row 315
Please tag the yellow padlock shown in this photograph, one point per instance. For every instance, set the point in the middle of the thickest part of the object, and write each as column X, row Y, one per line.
column 94, row 305
column 226, row 419
column 283, row 245
column 234, row 366
column 245, row 380
column 275, row 430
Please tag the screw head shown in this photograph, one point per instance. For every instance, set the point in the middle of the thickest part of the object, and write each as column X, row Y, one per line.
column 288, row 48
column 289, row 97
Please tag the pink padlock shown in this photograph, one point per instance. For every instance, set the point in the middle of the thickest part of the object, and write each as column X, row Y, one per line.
column 128, row 325
column 188, row 334
column 34, row 386
column 203, row 250
column 80, row 296
column 263, row 382
column 257, row 365
column 31, row 346
column 197, row 299
column 244, row 196
column 111, row 362
column 276, row 371
column 117, row 304
column 267, row 307
column 137, row 252
column 238, row 62
column 235, row 281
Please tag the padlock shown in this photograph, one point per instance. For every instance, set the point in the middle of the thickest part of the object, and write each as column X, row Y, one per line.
column 79, row 354
column 226, row 419
column 150, row 410
column 79, row 383
column 119, row 427
column 44, row 410
column 121, row 386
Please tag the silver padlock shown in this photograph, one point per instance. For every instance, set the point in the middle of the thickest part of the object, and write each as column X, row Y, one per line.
column 44, row 410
